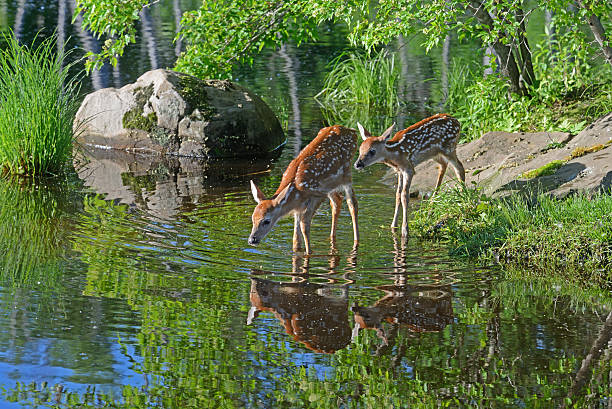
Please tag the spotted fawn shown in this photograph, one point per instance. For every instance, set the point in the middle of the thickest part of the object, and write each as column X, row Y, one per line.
column 432, row 138
column 322, row 169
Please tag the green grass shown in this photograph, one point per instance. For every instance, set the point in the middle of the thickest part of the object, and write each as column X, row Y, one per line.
column 38, row 101
column 569, row 238
column 361, row 87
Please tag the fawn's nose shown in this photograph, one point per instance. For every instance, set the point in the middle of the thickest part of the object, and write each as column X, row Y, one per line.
column 253, row 240
column 359, row 164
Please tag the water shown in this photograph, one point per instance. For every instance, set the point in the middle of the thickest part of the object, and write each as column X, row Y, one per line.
column 131, row 284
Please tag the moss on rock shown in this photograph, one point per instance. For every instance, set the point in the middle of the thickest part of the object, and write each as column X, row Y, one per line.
column 194, row 93
column 135, row 117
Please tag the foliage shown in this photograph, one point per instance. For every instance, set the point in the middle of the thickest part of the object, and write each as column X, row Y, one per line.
column 360, row 88
column 571, row 238
column 561, row 101
column 549, row 169
column 38, row 102
column 113, row 19
column 222, row 33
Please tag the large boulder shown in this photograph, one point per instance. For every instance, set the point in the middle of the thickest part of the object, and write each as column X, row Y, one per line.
column 500, row 162
column 167, row 112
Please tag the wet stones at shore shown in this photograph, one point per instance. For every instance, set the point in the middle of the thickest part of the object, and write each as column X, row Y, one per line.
column 502, row 163
column 166, row 112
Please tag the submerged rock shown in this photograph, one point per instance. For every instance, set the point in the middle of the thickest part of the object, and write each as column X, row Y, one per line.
column 502, row 163
column 167, row 112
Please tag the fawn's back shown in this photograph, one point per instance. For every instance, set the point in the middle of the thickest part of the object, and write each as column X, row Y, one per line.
column 324, row 164
column 427, row 138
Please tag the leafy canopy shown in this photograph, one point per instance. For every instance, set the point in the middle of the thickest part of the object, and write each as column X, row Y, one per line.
column 222, row 33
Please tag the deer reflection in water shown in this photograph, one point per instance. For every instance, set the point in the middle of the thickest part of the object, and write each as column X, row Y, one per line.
column 315, row 314
column 406, row 304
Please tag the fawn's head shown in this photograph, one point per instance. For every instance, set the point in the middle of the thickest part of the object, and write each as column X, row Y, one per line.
column 372, row 148
column 266, row 213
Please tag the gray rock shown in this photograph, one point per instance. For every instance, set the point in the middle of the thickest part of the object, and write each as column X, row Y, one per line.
column 167, row 112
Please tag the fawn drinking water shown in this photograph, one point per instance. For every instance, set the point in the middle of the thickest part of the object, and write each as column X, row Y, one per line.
column 322, row 169
column 432, row 138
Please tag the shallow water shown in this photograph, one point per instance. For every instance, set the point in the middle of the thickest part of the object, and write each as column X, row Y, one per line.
column 131, row 284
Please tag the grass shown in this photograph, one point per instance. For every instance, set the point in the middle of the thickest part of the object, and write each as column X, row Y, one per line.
column 360, row 87
column 569, row 238
column 38, row 101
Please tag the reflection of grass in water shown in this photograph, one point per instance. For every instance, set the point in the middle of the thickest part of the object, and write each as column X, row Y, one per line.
column 360, row 88
column 31, row 234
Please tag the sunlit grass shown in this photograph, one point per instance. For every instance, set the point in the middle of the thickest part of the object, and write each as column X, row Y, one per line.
column 38, row 101
column 570, row 238
column 360, row 88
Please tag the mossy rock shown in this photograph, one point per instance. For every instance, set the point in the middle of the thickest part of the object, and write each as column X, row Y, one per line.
column 174, row 113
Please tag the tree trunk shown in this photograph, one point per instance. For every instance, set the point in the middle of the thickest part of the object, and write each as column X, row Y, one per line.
column 524, row 51
column 291, row 68
column 598, row 31
column 507, row 62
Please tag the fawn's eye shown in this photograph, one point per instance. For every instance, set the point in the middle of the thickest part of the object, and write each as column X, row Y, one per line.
column 371, row 152
column 265, row 222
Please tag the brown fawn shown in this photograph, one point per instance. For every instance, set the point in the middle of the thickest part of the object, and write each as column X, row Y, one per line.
column 432, row 138
column 322, row 169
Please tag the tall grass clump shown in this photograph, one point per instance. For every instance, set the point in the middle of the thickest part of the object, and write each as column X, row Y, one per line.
column 571, row 238
column 38, row 102
column 360, row 87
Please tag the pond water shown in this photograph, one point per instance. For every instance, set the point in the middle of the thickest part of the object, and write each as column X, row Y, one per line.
column 131, row 284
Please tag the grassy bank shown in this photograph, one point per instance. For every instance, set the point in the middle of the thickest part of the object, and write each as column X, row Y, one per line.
column 571, row 238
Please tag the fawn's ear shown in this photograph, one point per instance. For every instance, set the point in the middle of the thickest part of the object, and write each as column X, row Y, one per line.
column 281, row 195
column 257, row 194
column 364, row 132
column 387, row 134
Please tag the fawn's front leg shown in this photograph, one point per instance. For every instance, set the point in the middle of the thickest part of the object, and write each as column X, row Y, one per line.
column 351, row 200
column 398, row 199
column 297, row 239
column 407, row 180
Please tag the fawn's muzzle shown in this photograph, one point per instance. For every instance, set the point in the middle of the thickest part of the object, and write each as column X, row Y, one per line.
column 253, row 240
column 359, row 164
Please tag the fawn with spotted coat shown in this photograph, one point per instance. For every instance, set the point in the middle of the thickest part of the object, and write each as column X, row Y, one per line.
column 432, row 138
column 322, row 169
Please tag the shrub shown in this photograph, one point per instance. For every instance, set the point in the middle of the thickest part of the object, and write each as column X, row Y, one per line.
column 38, row 101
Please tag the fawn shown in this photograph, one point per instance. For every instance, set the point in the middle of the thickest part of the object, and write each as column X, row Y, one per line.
column 322, row 169
column 432, row 138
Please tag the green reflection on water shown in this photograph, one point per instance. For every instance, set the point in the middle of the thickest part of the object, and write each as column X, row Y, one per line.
column 433, row 337
column 33, row 231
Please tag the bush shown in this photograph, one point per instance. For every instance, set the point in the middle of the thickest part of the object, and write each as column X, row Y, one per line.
column 38, row 102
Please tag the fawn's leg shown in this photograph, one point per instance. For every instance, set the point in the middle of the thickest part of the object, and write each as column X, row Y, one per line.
column 306, row 219
column 398, row 198
column 351, row 200
column 297, row 239
column 441, row 171
column 335, row 200
column 457, row 166
column 407, row 180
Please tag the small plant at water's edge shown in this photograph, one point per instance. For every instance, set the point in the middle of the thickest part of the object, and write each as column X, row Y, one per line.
column 38, row 101
column 571, row 237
